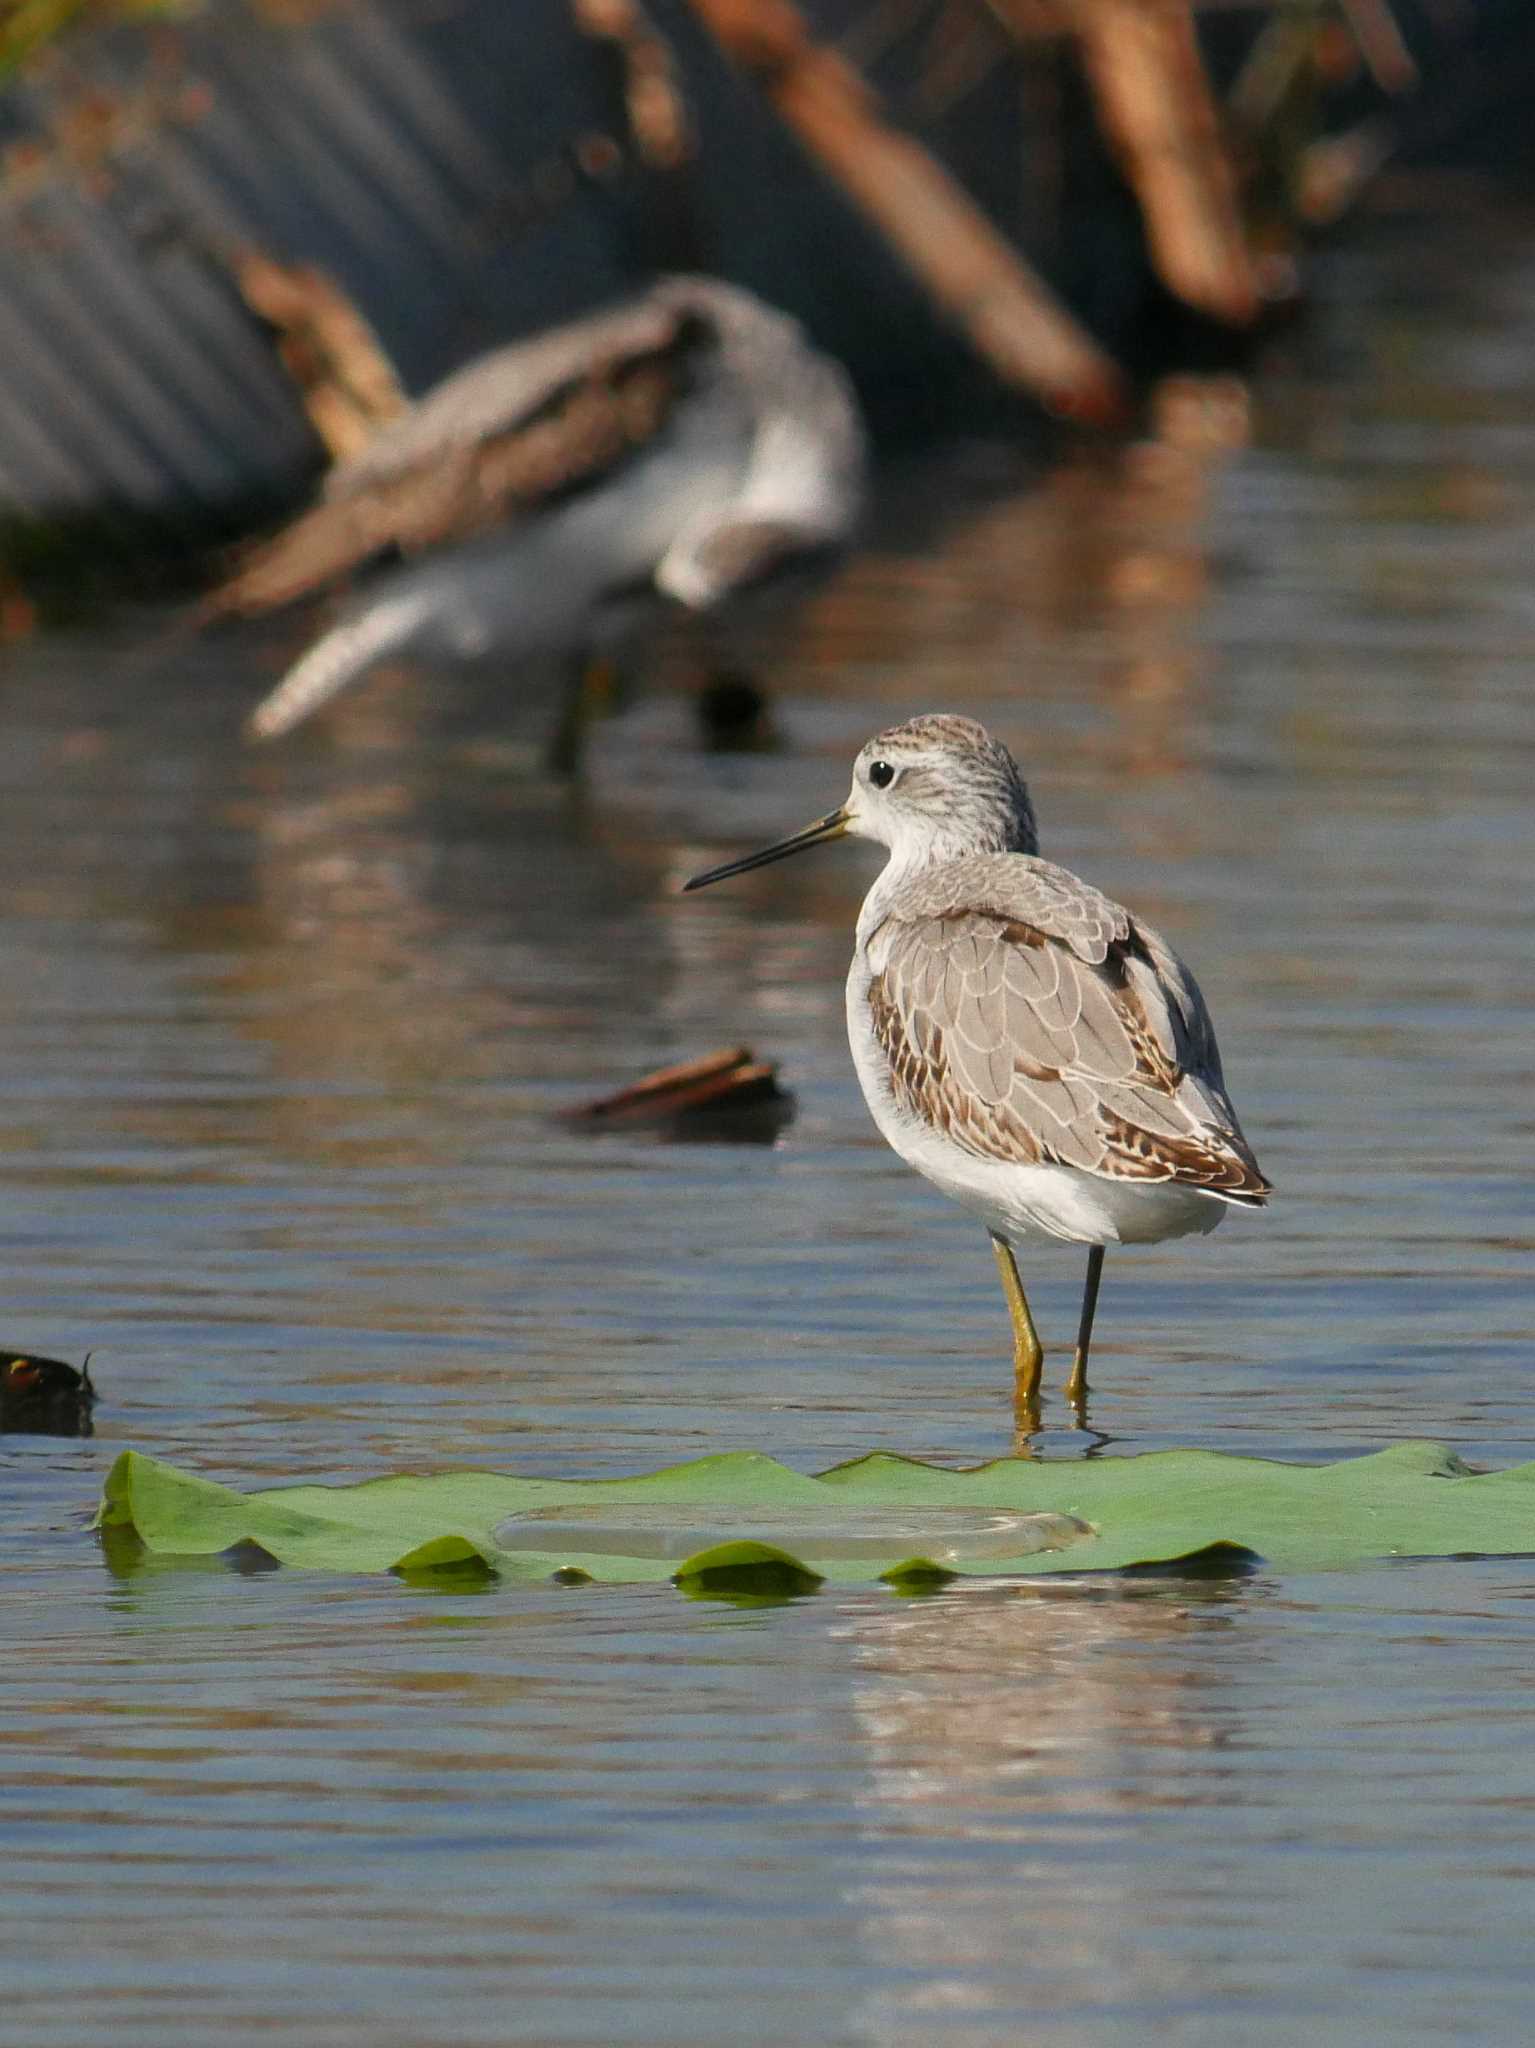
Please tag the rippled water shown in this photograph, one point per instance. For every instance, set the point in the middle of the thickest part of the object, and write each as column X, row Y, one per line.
column 283, row 1035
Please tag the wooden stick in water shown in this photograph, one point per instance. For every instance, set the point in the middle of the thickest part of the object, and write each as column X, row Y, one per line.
column 731, row 1078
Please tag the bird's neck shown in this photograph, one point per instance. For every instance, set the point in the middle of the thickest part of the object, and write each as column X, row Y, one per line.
column 910, row 859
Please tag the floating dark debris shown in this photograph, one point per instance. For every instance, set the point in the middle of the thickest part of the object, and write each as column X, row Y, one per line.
column 734, row 715
column 44, row 1396
column 725, row 1094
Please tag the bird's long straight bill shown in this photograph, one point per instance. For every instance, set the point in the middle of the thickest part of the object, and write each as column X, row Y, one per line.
column 832, row 826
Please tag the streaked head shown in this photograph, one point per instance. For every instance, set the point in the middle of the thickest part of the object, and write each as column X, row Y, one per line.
column 931, row 789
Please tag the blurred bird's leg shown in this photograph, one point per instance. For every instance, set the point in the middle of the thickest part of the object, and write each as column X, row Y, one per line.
column 590, row 693
column 733, row 710
column 1076, row 1386
column 1028, row 1353
column 734, row 715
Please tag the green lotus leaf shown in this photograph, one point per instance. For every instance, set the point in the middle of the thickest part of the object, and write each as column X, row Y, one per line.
column 752, row 1569
column 740, row 1523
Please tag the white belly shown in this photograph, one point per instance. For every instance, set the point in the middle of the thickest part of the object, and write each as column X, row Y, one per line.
column 1019, row 1201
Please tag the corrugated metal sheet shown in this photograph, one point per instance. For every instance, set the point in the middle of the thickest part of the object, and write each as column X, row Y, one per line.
column 375, row 141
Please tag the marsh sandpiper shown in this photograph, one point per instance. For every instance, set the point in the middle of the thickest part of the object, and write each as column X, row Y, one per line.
column 1034, row 1049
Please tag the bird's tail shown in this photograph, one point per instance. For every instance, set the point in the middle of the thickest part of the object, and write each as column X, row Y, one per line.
column 347, row 651
column 1243, row 1198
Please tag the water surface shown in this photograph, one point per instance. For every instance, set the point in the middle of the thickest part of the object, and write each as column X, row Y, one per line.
column 284, row 1035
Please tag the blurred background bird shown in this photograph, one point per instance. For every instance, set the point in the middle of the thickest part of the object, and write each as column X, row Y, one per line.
column 550, row 496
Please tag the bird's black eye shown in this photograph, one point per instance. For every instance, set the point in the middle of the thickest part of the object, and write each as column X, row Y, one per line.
column 881, row 774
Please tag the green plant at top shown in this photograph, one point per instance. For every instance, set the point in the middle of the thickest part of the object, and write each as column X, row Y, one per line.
column 27, row 26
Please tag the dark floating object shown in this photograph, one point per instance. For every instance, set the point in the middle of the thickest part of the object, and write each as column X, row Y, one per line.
column 44, row 1396
column 725, row 1094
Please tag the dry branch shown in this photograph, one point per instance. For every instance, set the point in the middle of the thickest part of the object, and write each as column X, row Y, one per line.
column 1157, row 111
column 347, row 383
column 657, row 111
column 1009, row 315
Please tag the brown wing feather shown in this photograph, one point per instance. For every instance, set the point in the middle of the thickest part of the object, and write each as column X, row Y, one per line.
column 578, row 433
column 1001, row 1035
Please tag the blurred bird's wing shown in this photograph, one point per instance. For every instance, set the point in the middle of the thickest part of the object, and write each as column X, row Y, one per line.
column 505, row 389
column 1027, row 1018
column 493, row 441
column 803, row 479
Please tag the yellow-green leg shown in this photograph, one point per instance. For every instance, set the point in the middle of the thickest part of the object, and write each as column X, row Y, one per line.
column 591, row 690
column 1076, row 1386
column 1028, row 1352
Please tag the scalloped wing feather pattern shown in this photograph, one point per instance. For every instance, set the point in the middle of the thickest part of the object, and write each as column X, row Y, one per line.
column 1028, row 1018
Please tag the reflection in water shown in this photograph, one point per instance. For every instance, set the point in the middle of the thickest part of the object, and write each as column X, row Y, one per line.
column 1035, row 1724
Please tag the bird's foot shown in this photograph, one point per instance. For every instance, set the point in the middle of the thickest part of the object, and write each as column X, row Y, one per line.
column 1077, row 1391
